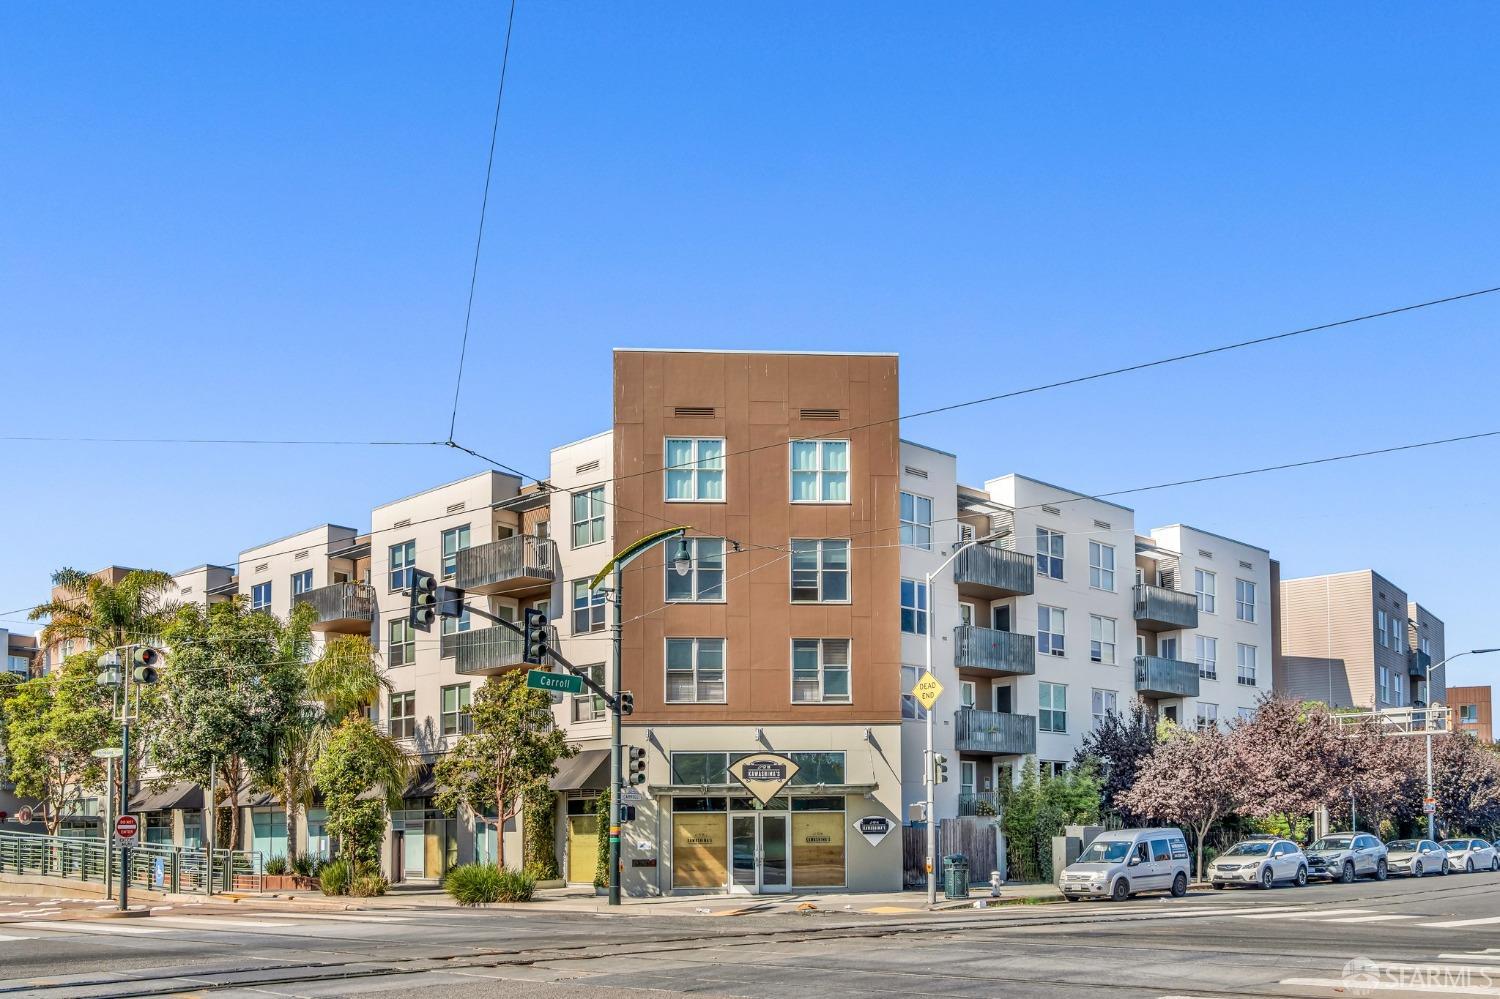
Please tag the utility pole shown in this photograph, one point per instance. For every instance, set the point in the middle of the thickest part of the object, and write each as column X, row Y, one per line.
column 1427, row 724
column 139, row 664
column 615, row 783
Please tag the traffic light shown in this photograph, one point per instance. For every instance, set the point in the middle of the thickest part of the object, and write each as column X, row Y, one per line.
column 535, row 637
column 627, row 814
column 450, row 601
column 939, row 768
column 635, row 771
column 145, row 659
column 627, row 703
column 423, row 596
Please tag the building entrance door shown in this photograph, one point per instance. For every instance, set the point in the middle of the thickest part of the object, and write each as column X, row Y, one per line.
column 758, row 852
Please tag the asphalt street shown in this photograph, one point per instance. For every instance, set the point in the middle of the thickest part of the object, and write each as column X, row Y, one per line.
column 1438, row 935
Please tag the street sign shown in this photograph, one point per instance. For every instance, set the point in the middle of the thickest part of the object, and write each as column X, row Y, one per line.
column 563, row 683
column 108, row 753
column 126, row 828
column 873, row 828
column 927, row 690
column 630, row 793
column 764, row 774
column 1429, row 805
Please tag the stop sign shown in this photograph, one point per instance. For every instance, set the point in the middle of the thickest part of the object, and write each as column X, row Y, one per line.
column 125, row 827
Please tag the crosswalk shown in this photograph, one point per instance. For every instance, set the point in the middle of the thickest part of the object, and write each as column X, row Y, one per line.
column 1270, row 914
column 51, row 923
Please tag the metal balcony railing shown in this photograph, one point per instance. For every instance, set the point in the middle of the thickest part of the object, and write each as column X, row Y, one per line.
column 994, row 733
column 347, row 608
column 991, row 573
column 514, row 566
column 981, row 803
column 1160, row 609
column 989, row 650
column 487, row 651
column 1158, row 677
column 1418, row 664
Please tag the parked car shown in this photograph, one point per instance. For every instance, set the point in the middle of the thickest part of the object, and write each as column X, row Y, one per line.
column 1416, row 857
column 1346, row 856
column 1124, row 862
column 1259, row 861
column 1470, row 855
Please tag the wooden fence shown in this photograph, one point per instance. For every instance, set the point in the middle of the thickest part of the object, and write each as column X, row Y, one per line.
column 976, row 837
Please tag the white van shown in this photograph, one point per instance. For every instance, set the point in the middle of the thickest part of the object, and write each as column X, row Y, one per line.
column 1122, row 863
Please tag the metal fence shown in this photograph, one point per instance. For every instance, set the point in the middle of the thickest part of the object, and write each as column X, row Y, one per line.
column 153, row 866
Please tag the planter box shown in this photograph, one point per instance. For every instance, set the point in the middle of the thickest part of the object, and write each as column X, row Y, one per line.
column 289, row 882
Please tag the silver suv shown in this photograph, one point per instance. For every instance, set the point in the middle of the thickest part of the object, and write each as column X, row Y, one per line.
column 1259, row 860
column 1346, row 856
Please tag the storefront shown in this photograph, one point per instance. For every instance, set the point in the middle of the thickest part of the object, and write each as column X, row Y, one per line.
column 733, row 843
column 424, row 843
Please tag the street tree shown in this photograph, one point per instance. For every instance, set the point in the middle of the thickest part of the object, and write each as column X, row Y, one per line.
column 1289, row 755
column 1379, row 777
column 1191, row 779
column 1119, row 744
column 1466, row 784
column 360, row 774
column 53, row 725
column 104, row 614
column 513, row 748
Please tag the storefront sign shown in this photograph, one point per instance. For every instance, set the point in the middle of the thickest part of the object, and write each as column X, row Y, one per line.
column 642, row 861
column 764, row 774
column 873, row 828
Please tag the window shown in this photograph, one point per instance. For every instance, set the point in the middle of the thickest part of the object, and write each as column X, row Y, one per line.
column 820, row 670
column 1208, row 657
column 967, row 693
column 820, row 471
column 1102, row 639
column 1382, row 684
column 1104, row 704
column 1053, row 768
column 588, row 517
column 456, row 719
column 452, row 626
column 402, row 648
column 911, row 708
column 301, row 581
column 1244, row 600
column 1245, row 655
column 1468, row 714
column 1381, row 635
column 1208, row 714
column 17, row 664
column 705, row 578
column 1051, row 625
column 1101, row 566
column 820, row 571
column 1425, row 646
column 1207, row 586
column 260, row 597
column 588, row 608
column 455, row 540
column 589, row 706
column 1052, row 698
column 913, row 607
column 1049, row 553
column 916, row 521
column 695, row 469
column 403, row 716
column 695, row 671
column 403, row 560
column 1245, row 714
column 966, row 774
column 1397, row 638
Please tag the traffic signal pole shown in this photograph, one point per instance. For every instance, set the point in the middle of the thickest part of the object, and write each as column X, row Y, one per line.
column 615, row 783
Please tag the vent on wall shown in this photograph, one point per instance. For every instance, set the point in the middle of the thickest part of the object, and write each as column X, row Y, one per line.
column 1052, row 510
column 1204, row 554
column 698, row 412
column 185, row 590
column 1103, row 525
column 300, row 555
column 402, row 523
column 820, row 414
column 263, row 567
column 455, row 507
column 916, row 473
column 587, row 466
column 1246, row 565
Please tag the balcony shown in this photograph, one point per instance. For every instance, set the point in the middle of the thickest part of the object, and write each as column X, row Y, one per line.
column 343, row 608
column 994, row 733
column 982, row 803
column 514, row 567
column 488, row 651
column 990, row 573
column 1160, row 609
column 1418, row 663
column 1158, row 677
column 992, row 652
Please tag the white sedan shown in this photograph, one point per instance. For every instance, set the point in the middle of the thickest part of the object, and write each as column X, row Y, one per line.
column 1470, row 855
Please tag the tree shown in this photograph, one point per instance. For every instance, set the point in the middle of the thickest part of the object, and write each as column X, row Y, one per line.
column 1119, row 745
column 107, row 615
column 1289, row 757
column 53, row 725
column 1379, row 776
column 513, row 748
column 356, row 761
column 1190, row 780
column 1038, row 809
column 1466, row 784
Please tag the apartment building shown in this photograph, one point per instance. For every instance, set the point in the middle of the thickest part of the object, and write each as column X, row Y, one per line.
column 21, row 653
column 1355, row 639
column 1473, row 711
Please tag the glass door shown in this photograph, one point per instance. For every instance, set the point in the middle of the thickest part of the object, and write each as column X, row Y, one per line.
column 759, row 861
column 773, row 854
column 743, row 848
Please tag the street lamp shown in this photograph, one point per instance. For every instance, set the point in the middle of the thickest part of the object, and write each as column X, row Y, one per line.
column 1431, row 666
column 928, row 758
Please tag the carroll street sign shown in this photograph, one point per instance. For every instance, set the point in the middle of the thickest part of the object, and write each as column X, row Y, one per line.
column 873, row 828
column 562, row 683
column 763, row 774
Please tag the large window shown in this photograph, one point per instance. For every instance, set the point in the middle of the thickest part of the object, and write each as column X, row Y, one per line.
column 820, row 471
column 260, row 596
column 588, row 608
column 911, row 708
column 1245, row 654
column 704, row 580
column 403, row 716
column 403, row 560
column 820, row 570
column 1052, row 700
column 1208, row 657
column 1101, row 566
column 1244, row 600
column 913, row 607
column 1208, row 714
column 695, row 469
column 401, row 650
column 1102, row 639
column 1105, row 702
column 711, row 769
column 17, row 664
column 1051, row 630
column 452, row 626
column 695, row 671
column 916, row 520
column 455, row 540
column 456, row 718
column 588, row 517
column 589, row 706
column 820, row 670
column 1207, row 586
column 1049, row 553
column 1468, row 714
column 301, row 581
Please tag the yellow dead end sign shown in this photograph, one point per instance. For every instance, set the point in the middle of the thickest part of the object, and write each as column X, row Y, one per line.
column 927, row 690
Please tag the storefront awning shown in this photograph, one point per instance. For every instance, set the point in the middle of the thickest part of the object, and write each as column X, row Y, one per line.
column 183, row 794
column 791, row 790
column 589, row 770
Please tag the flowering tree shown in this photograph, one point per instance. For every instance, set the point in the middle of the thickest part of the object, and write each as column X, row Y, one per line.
column 1191, row 779
column 1289, row 757
column 1379, row 776
column 1466, row 783
column 1119, row 744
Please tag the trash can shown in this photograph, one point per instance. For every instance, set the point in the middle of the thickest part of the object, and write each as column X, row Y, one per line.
column 955, row 876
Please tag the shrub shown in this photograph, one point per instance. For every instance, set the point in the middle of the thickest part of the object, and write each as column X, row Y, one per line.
column 481, row 884
column 307, row 866
column 368, row 886
column 601, row 862
column 516, row 886
column 276, row 866
column 334, row 878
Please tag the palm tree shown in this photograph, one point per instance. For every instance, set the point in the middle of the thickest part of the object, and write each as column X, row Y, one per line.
column 105, row 614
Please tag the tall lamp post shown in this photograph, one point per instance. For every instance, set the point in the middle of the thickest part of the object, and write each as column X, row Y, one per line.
column 1431, row 667
column 929, row 759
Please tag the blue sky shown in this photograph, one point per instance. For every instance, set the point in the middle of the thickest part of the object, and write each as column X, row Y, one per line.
column 258, row 221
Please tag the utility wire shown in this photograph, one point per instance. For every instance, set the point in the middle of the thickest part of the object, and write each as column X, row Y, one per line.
column 484, row 205
column 49, row 439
